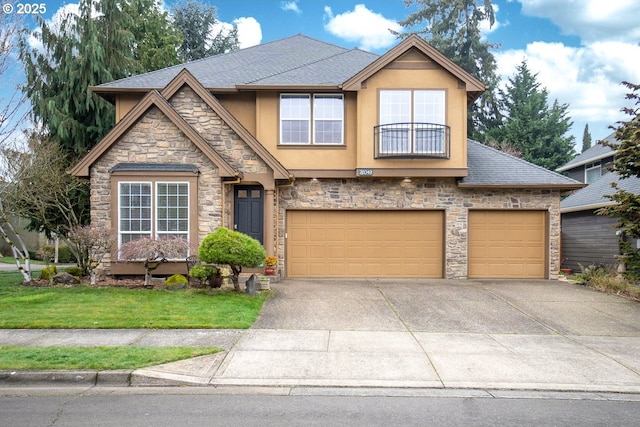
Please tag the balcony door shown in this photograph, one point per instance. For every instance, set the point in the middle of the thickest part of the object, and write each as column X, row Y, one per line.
column 413, row 121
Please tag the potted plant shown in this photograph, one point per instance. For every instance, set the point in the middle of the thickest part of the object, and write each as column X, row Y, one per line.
column 270, row 263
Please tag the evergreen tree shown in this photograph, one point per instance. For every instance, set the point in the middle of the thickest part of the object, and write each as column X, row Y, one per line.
column 84, row 51
column 626, row 165
column 196, row 22
column 453, row 27
column 156, row 41
column 586, row 138
column 530, row 125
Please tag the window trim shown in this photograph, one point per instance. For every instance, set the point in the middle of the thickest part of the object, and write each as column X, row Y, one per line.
column 412, row 130
column 154, row 178
column 311, row 120
column 591, row 167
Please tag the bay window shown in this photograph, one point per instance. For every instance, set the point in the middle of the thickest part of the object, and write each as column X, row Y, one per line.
column 155, row 210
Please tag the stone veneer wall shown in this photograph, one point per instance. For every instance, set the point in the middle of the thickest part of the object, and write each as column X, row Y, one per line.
column 155, row 139
column 440, row 194
column 217, row 133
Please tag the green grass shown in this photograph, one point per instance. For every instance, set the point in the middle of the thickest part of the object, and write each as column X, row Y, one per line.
column 11, row 260
column 101, row 358
column 88, row 307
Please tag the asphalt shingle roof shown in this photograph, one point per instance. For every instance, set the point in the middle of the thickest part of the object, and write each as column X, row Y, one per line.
column 593, row 195
column 488, row 166
column 296, row 60
column 596, row 152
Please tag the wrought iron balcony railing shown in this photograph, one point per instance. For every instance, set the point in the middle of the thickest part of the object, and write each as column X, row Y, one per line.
column 411, row 141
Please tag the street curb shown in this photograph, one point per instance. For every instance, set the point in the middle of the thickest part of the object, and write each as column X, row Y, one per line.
column 80, row 377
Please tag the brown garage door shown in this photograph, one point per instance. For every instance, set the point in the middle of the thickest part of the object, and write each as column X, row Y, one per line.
column 365, row 243
column 507, row 244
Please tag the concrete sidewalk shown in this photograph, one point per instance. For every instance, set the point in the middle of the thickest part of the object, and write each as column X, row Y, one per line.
column 526, row 335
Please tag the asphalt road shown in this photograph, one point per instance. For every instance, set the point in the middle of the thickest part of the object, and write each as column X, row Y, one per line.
column 202, row 406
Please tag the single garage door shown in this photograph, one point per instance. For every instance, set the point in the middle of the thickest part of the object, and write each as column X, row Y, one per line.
column 365, row 243
column 507, row 244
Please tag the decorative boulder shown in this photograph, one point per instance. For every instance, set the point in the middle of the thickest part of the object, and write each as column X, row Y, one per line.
column 65, row 279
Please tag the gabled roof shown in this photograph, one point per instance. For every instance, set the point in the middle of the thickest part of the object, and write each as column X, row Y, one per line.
column 593, row 195
column 296, row 60
column 474, row 86
column 152, row 99
column 594, row 153
column 186, row 78
column 488, row 167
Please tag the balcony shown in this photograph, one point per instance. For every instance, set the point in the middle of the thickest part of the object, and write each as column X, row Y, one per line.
column 411, row 141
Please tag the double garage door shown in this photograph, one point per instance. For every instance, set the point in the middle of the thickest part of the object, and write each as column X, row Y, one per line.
column 411, row 244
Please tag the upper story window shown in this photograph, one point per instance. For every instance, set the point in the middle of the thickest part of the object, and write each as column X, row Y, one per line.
column 412, row 122
column 592, row 172
column 312, row 119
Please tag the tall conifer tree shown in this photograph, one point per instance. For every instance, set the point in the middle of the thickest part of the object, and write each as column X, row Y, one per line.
column 586, row 138
column 530, row 125
column 86, row 50
column 453, row 27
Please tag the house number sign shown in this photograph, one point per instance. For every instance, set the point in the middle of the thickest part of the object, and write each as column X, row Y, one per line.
column 364, row 172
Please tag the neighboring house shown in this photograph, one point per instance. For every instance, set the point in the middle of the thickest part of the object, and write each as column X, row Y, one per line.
column 341, row 162
column 588, row 238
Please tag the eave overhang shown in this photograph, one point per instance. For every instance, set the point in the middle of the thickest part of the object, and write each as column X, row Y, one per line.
column 523, row 186
column 473, row 86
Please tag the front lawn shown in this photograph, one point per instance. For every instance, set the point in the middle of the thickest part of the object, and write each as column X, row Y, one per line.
column 88, row 307
column 100, row 358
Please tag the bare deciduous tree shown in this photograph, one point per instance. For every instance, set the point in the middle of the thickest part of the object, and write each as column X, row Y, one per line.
column 91, row 244
column 39, row 188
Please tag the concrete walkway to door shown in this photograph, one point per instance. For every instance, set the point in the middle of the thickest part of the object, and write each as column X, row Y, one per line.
column 529, row 335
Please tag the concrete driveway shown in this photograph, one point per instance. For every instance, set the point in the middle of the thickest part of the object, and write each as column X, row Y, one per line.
column 531, row 335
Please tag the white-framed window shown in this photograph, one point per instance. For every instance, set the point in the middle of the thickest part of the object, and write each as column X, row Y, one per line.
column 415, row 120
column 592, row 172
column 312, row 119
column 152, row 209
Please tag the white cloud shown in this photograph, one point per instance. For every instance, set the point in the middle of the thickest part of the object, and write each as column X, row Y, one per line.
column 590, row 20
column 485, row 26
column 249, row 31
column 368, row 29
column 587, row 78
column 290, row 6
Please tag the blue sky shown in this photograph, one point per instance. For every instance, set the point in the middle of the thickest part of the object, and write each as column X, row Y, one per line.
column 581, row 49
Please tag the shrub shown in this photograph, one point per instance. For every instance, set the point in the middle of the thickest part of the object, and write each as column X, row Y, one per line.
column 606, row 279
column 64, row 254
column 47, row 273
column 233, row 248
column 203, row 272
column 74, row 271
column 177, row 280
column 47, row 253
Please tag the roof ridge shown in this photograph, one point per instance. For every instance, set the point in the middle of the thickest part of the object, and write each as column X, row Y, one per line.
column 518, row 159
column 183, row 65
column 306, row 64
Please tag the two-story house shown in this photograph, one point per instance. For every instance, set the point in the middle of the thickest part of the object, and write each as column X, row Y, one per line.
column 588, row 238
column 341, row 162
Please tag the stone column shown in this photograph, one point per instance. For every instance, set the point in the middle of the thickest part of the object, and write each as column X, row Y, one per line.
column 269, row 225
